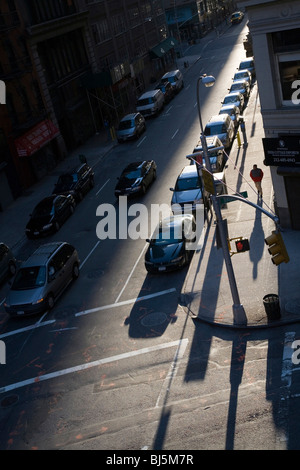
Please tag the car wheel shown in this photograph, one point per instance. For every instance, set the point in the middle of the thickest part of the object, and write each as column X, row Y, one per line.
column 50, row 302
column 72, row 208
column 12, row 268
column 75, row 271
column 154, row 175
column 92, row 183
column 143, row 189
column 57, row 226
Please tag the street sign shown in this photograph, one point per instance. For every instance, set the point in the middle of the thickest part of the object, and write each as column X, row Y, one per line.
column 224, row 199
column 208, row 181
column 282, row 151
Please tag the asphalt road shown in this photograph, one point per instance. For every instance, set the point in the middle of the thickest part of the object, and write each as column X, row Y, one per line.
column 117, row 365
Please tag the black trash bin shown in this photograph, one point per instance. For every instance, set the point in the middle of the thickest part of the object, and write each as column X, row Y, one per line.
column 272, row 307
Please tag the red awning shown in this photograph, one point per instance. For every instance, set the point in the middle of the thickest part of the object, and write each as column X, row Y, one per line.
column 36, row 138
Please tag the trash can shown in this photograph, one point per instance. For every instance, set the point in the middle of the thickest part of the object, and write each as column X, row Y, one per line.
column 272, row 307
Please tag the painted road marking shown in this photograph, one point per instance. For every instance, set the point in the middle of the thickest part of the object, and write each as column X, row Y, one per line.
column 27, row 328
column 102, row 187
column 125, row 302
column 89, row 365
column 141, row 141
column 131, row 272
column 174, row 134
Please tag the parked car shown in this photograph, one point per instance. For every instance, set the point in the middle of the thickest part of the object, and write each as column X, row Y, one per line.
column 233, row 112
column 236, row 17
column 235, row 98
column 7, row 262
column 240, row 86
column 216, row 156
column 168, row 246
column 175, row 77
column 248, row 64
column 150, row 103
column 76, row 182
column 136, row 178
column 187, row 192
column 49, row 215
column 222, row 126
column 243, row 75
column 130, row 127
column 167, row 89
column 42, row 278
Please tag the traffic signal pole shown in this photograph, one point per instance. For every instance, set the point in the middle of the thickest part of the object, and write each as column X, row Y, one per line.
column 238, row 309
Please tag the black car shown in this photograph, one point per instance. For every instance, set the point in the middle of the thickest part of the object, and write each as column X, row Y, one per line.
column 77, row 182
column 169, row 245
column 167, row 89
column 136, row 178
column 49, row 215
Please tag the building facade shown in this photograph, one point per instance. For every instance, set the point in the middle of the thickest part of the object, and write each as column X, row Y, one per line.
column 275, row 31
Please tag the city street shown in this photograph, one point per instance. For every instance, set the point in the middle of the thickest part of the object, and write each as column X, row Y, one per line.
column 117, row 363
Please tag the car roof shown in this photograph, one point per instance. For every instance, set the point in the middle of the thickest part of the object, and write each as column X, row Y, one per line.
column 148, row 94
column 217, row 118
column 129, row 116
column 170, row 74
column 233, row 94
column 188, row 171
column 175, row 219
column 240, row 81
column 211, row 141
column 42, row 254
column 247, row 61
column 134, row 165
column 229, row 106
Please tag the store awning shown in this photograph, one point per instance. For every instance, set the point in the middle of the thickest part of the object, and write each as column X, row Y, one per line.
column 36, row 138
column 163, row 47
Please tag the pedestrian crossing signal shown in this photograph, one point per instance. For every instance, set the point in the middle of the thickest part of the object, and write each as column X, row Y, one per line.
column 277, row 248
column 242, row 245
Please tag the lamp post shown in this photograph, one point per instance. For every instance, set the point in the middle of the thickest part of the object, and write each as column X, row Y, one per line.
column 238, row 309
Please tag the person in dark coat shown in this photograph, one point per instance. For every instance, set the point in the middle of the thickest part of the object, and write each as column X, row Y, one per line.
column 256, row 174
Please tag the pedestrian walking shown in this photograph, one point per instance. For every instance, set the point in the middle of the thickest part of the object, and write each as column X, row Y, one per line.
column 256, row 174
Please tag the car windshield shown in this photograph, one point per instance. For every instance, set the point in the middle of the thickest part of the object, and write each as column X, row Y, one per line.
column 66, row 180
column 29, row 278
column 227, row 111
column 245, row 65
column 167, row 235
column 240, row 75
column 184, row 184
column 133, row 175
column 231, row 99
column 215, row 129
column 237, row 86
column 145, row 101
column 44, row 208
column 127, row 124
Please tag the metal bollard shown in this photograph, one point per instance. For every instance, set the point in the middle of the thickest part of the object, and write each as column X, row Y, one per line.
column 238, row 138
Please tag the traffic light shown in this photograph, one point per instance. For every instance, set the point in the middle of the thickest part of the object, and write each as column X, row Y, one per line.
column 277, row 248
column 242, row 245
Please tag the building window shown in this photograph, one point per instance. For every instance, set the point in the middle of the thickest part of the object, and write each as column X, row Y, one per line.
column 286, row 47
column 101, row 31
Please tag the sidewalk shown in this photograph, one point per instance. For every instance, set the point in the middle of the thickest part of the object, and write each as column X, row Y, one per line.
column 206, row 294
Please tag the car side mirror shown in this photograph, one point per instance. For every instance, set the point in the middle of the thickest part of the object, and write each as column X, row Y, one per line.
column 171, row 189
column 147, row 240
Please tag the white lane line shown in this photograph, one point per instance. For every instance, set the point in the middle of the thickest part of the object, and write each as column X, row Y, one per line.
column 88, row 365
column 102, row 187
column 26, row 328
column 125, row 302
column 131, row 272
column 87, row 257
column 165, row 389
column 141, row 141
column 174, row 134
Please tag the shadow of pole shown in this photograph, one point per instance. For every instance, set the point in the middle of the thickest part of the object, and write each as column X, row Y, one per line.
column 238, row 355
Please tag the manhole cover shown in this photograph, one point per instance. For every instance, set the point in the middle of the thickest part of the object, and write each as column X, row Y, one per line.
column 156, row 318
column 9, row 400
